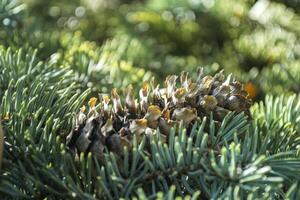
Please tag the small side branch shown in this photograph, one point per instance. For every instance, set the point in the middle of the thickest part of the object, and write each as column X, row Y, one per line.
column 1, row 143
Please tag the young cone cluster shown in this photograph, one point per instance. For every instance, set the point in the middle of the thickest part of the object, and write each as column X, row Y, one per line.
column 112, row 123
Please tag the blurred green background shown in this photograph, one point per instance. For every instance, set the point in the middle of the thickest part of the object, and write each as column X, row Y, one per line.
column 113, row 43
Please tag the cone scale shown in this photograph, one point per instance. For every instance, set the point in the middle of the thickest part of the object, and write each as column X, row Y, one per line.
column 112, row 123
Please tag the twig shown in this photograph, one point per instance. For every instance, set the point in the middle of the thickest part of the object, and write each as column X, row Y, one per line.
column 295, row 85
column 1, row 143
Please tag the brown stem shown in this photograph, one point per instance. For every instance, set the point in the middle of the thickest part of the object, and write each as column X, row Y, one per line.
column 1, row 143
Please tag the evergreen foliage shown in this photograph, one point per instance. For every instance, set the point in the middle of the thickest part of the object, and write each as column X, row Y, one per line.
column 55, row 55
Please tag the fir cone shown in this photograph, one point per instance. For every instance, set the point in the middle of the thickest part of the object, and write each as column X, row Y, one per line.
column 113, row 125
